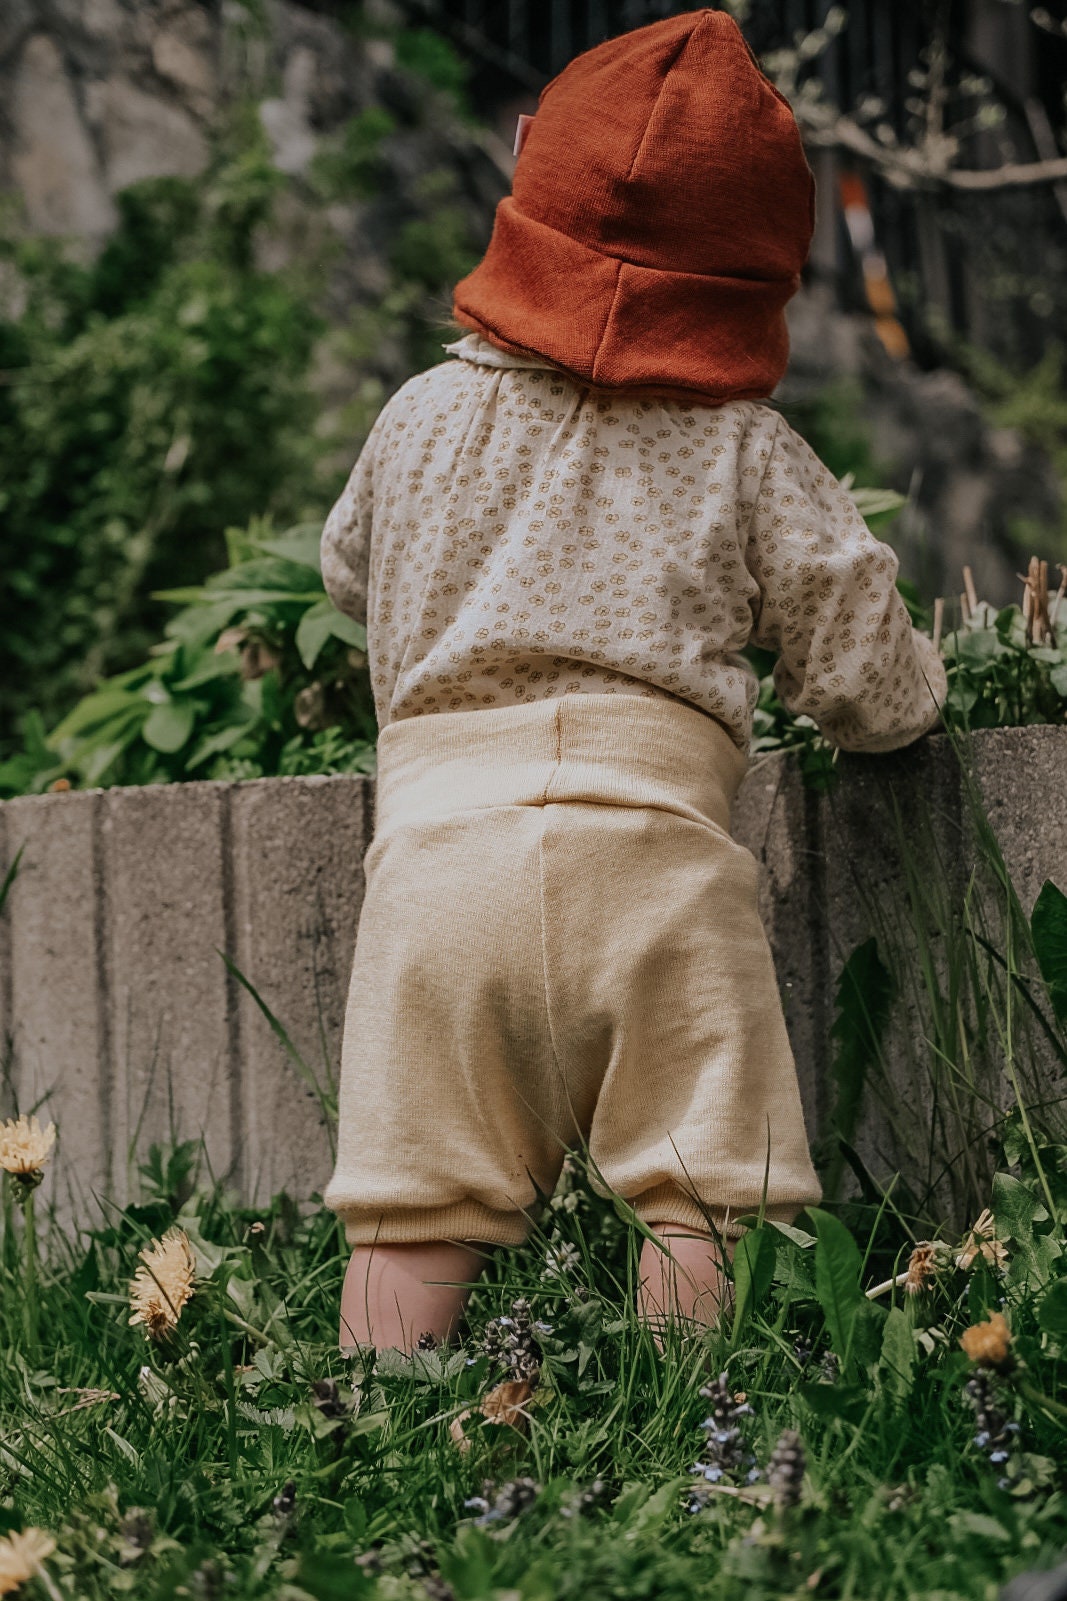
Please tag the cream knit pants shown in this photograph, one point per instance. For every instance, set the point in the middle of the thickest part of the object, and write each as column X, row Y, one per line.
column 560, row 947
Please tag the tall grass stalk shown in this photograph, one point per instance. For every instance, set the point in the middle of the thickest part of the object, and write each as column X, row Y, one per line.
column 971, row 1043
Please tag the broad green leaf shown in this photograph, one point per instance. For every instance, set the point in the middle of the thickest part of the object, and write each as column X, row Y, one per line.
column 1052, row 1309
column 876, row 502
column 867, row 1331
column 979, row 646
column 167, row 727
column 315, row 628
column 1048, row 925
column 213, row 744
column 845, row 1401
column 93, row 710
column 208, row 668
column 897, row 1362
column 837, row 1279
column 863, row 1002
column 1016, row 1209
column 753, row 1273
column 265, row 572
column 791, row 1232
column 349, row 630
column 198, row 625
column 969, row 1526
column 236, row 599
column 103, row 757
column 300, row 545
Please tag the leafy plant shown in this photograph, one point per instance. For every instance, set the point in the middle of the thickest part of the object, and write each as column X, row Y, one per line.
column 150, row 397
column 257, row 674
column 998, row 677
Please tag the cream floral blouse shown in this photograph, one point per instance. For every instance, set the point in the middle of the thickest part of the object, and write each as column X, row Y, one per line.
column 508, row 535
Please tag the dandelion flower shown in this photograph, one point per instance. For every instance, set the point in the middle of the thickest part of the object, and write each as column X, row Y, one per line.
column 981, row 1241
column 25, row 1148
column 988, row 1344
column 21, row 1556
column 163, row 1285
column 924, row 1265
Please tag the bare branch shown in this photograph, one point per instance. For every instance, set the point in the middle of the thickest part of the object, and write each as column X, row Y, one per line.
column 905, row 167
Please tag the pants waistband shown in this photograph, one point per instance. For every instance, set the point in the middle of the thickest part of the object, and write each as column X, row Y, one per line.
column 608, row 750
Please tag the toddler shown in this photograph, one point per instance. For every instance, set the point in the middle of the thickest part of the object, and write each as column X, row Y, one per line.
column 561, row 540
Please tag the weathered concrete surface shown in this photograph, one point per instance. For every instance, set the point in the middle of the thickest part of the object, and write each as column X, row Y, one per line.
column 894, row 851
column 119, row 1015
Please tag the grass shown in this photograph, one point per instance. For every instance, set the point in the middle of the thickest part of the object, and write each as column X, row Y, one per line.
column 858, row 1452
column 244, row 1457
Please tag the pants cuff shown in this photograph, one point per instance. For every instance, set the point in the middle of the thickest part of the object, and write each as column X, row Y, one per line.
column 467, row 1221
column 668, row 1204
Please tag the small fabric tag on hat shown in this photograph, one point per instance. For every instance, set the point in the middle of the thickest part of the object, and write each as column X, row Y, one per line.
column 522, row 128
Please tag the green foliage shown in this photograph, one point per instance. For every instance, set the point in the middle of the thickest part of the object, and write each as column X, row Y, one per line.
column 431, row 57
column 1035, row 403
column 997, row 678
column 1048, row 926
column 864, row 996
column 350, row 168
column 150, row 399
column 257, row 674
column 242, row 1455
column 831, row 422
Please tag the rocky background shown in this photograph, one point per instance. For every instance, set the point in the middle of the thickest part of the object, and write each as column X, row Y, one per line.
column 97, row 94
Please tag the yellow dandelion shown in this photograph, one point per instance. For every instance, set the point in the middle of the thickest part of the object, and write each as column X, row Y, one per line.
column 163, row 1285
column 981, row 1242
column 25, row 1147
column 988, row 1344
column 21, row 1556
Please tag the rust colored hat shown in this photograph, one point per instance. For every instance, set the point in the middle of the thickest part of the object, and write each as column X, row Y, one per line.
column 661, row 212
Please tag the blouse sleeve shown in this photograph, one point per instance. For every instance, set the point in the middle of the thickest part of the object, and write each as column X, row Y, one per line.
column 848, row 656
column 345, row 547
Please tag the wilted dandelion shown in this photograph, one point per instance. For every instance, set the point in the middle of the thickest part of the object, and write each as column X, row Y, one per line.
column 164, row 1283
column 924, row 1264
column 981, row 1243
column 22, row 1554
column 988, row 1344
column 24, row 1149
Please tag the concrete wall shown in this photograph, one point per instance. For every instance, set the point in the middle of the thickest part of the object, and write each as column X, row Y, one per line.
column 119, row 1014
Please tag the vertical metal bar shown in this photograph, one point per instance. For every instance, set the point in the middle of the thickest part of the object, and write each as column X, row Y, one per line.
column 598, row 21
column 562, row 45
column 518, row 40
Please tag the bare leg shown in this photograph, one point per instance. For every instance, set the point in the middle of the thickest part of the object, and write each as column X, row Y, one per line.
column 394, row 1293
column 689, row 1285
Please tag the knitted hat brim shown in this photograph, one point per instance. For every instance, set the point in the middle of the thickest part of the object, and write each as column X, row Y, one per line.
column 618, row 325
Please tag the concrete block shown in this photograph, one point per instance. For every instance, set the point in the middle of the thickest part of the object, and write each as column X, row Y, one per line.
column 54, row 986
column 297, row 848
column 116, row 1005
column 167, row 867
column 1021, row 776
